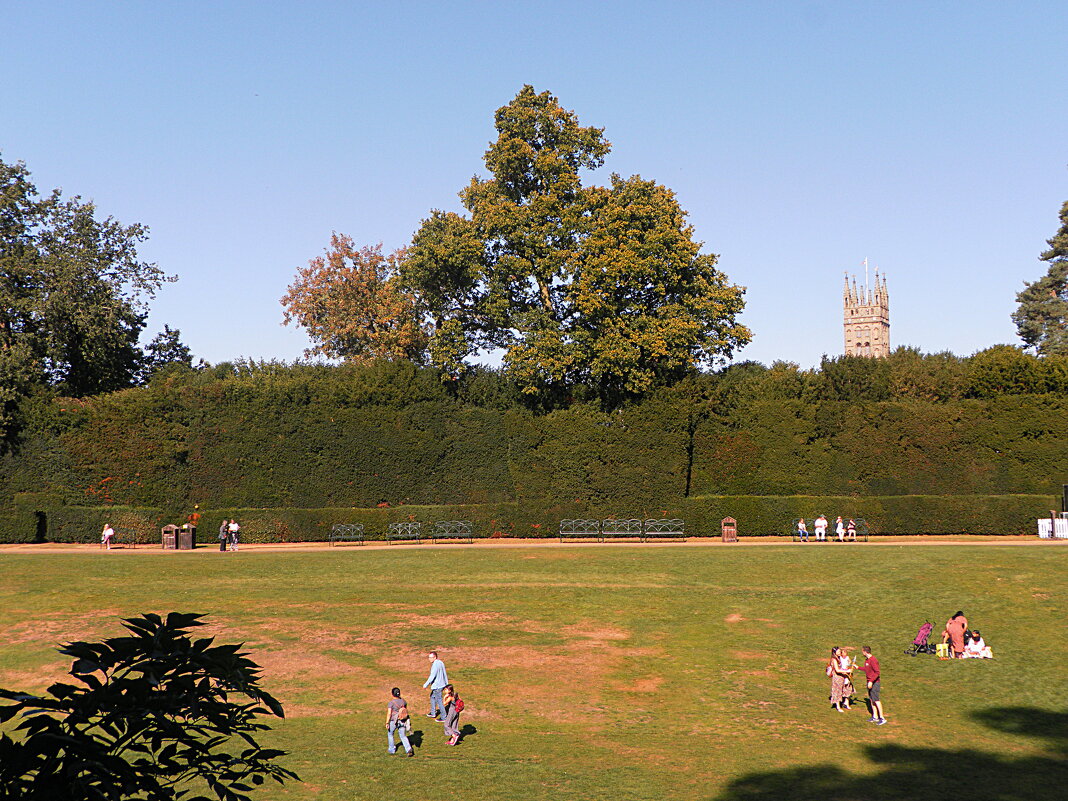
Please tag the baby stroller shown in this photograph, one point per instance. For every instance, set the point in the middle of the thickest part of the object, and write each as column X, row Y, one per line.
column 919, row 643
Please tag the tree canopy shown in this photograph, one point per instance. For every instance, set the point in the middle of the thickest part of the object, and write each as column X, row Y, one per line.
column 1041, row 315
column 352, row 307
column 154, row 715
column 600, row 285
column 73, row 294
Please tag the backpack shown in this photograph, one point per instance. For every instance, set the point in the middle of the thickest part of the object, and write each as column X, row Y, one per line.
column 459, row 704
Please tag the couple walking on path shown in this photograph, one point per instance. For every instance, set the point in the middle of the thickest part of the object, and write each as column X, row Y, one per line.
column 445, row 707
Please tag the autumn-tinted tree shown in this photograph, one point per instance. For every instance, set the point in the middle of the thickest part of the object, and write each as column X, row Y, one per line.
column 577, row 284
column 1041, row 315
column 155, row 715
column 351, row 304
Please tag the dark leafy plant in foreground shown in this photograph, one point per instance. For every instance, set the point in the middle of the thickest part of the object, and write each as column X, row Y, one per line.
column 155, row 715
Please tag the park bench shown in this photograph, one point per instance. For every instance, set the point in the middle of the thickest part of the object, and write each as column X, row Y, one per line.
column 859, row 522
column 621, row 529
column 452, row 530
column 405, row 531
column 581, row 529
column 664, row 528
column 346, row 532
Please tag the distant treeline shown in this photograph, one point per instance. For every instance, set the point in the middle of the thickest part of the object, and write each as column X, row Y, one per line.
column 312, row 436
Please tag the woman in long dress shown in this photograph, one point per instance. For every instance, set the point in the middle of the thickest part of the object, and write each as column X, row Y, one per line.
column 838, row 680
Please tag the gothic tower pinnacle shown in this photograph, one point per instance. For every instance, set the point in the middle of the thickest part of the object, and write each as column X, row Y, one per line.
column 866, row 316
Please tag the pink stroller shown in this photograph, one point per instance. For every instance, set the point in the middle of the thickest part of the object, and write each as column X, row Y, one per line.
column 920, row 644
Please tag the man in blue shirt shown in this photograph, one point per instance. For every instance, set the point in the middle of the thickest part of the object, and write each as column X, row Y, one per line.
column 436, row 682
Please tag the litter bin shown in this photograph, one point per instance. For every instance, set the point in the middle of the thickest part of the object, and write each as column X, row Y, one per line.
column 187, row 538
column 729, row 529
column 169, row 535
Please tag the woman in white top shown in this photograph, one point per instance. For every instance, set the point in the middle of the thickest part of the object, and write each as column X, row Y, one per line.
column 976, row 648
column 839, row 529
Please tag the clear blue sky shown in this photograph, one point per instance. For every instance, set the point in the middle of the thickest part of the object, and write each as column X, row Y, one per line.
column 802, row 137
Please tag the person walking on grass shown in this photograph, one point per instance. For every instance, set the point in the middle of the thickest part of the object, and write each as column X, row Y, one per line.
column 396, row 720
column 436, row 681
column 235, row 531
column 871, row 671
column 453, row 707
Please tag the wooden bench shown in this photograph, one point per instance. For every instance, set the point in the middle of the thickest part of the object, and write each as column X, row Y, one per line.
column 346, row 532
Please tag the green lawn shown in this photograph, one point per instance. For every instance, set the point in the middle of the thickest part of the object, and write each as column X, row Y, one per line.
column 608, row 672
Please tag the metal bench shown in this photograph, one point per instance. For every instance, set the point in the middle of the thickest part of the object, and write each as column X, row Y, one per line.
column 346, row 532
column 404, row 531
column 664, row 528
column 452, row 530
column 581, row 529
column 611, row 527
column 860, row 523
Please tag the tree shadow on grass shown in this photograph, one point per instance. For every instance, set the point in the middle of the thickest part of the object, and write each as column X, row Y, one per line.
column 909, row 773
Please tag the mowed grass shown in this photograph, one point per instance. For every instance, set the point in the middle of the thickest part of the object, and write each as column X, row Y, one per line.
column 607, row 672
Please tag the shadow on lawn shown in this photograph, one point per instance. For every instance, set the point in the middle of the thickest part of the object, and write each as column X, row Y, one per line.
column 908, row 773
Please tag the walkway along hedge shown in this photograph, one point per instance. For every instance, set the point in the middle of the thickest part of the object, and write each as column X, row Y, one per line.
column 756, row 516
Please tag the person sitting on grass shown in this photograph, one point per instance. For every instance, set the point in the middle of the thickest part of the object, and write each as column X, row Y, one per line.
column 954, row 634
column 976, row 647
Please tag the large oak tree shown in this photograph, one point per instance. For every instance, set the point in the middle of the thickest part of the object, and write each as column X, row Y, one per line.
column 73, row 294
column 600, row 285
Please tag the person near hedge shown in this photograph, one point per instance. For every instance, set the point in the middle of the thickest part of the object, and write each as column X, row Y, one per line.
column 851, row 529
column 235, row 529
column 820, row 526
column 224, row 534
column 872, row 674
column 802, row 531
column 106, row 536
column 953, row 633
column 396, row 720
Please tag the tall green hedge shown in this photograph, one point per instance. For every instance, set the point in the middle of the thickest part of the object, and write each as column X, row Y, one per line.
column 756, row 516
column 308, row 437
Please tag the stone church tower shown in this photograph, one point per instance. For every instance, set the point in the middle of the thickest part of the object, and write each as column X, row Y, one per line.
column 866, row 315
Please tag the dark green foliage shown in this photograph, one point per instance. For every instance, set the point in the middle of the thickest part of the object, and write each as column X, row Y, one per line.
column 154, row 715
column 288, row 440
column 1041, row 315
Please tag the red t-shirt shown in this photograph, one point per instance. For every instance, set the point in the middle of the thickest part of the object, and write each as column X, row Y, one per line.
column 871, row 668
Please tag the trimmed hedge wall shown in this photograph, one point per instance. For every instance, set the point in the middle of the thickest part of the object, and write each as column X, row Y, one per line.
column 756, row 516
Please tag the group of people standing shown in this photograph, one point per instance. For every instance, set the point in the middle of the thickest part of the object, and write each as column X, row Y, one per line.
column 844, row 530
column 840, row 671
column 229, row 533
column 445, row 708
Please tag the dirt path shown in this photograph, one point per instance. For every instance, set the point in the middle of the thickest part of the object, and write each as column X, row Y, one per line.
column 703, row 542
